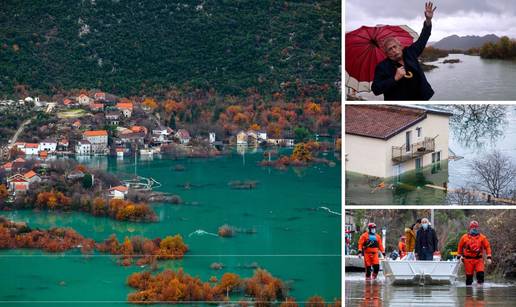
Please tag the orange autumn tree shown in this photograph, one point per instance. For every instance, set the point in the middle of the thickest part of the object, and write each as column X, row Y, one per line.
column 302, row 153
column 3, row 192
column 228, row 282
column 315, row 301
column 150, row 102
column 172, row 248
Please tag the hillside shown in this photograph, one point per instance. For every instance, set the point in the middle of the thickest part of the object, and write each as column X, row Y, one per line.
column 464, row 42
column 141, row 47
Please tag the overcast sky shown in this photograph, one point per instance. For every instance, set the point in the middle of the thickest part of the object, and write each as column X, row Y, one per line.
column 461, row 17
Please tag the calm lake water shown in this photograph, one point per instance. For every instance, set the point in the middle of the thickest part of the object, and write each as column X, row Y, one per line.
column 410, row 188
column 379, row 293
column 473, row 78
column 295, row 239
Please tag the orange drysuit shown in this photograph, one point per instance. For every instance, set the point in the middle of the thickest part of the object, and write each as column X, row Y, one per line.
column 370, row 248
column 401, row 248
column 472, row 249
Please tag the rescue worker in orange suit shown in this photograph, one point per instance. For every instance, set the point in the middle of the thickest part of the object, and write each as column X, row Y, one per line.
column 402, row 247
column 369, row 244
column 471, row 249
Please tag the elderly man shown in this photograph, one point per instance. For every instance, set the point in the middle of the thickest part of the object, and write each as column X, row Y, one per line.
column 399, row 76
column 426, row 241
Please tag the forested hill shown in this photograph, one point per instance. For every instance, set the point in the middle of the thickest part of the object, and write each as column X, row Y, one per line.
column 137, row 47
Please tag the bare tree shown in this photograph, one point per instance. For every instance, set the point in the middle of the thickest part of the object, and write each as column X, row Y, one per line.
column 462, row 196
column 495, row 173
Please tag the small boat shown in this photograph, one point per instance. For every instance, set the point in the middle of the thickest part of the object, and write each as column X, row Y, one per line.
column 409, row 272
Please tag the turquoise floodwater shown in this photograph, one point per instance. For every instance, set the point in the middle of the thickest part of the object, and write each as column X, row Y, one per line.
column 294, row 238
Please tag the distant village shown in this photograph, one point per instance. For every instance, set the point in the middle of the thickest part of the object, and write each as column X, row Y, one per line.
column 80, row 130
column 128, row 136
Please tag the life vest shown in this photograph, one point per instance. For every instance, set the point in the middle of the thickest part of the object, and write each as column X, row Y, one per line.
column 473, row 247
column 372, row 242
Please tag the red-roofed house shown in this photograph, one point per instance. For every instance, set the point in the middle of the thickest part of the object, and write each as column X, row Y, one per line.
column 77, row 124
column 31, row 148
column 139, row 129
column 84, row 100
column 100, row 96
column 125, row 107
column 118, row 192
column 183, row 135
column 32, row 177
column 17, row 183
column 96, row 106
column 387, row 140
column 98, row 140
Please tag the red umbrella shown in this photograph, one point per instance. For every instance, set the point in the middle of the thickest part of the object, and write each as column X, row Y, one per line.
column 363, row 52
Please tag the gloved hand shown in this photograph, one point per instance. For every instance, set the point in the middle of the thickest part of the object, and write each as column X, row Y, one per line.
column 460, row 258
column 360, row 254
column 489, row 261
column 383, row 254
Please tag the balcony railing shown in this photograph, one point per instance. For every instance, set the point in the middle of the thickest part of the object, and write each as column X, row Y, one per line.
column 402, row 153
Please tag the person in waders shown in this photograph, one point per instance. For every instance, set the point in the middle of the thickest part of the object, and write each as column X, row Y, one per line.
column 471, row 249
column 402, row 247
column 369, row 244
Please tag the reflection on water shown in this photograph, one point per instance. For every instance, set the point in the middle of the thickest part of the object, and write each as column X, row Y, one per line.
column 406, row 189
column 380, row 293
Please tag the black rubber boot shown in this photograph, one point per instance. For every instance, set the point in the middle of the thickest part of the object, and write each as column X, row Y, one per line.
column 469, row 280
column 368, row 272
column 376, row 269
column 480, row 278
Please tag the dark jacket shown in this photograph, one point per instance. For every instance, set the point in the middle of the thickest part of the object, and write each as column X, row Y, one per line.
column 431, row 238
column 384, row 82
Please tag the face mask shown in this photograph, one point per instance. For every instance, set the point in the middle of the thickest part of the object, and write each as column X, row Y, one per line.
column 425, row 226
column 373, row 230
column 474, row 231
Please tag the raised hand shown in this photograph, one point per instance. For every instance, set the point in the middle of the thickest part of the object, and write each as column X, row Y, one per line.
column 429, row 10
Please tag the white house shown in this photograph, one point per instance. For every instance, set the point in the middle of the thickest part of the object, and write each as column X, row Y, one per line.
column 98, row 140
column 48, row 145
column 118, row 192
column 212, row 137
column 31, row 148
column 84, row 100
column 83, row 148
column 387, row 140
column 241, row 138
column 125, row 107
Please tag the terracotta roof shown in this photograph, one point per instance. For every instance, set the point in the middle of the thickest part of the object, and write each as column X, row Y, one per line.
column 29, row 174
column 119, row 149
column 119, row 188
column 83, row 95
column 125, row 105
column 138, row 128
column 381, row 121
column 31, row 145
column 95, row 133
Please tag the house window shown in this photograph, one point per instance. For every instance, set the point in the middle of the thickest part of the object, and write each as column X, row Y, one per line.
column 407, row 140
column 436, row 157
column 418, row 132
column 419, row 163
